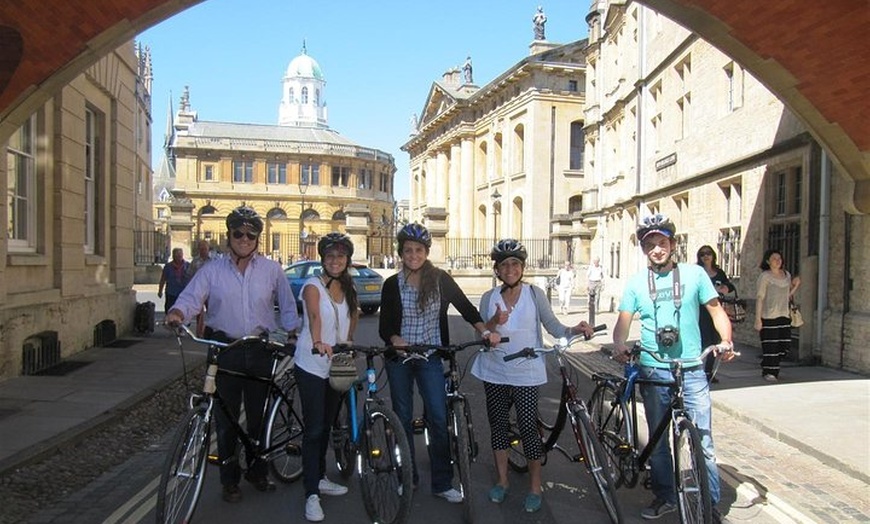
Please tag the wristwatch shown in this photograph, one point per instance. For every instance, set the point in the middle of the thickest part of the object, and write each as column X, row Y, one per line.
column 485, row 334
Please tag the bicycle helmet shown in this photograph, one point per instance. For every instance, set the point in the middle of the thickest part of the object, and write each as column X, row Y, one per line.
column 244, row 216
column 657, row 223
column 508, row 248
column 333, row 239
column 415, row 232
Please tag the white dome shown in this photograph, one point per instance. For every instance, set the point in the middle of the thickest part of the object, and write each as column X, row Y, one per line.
column 304, row 66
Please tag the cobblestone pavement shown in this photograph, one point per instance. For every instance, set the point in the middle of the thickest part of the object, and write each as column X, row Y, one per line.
column 770, row 473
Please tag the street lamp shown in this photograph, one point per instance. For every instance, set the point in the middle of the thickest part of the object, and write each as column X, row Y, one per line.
column 495, row 209
column 303, row 188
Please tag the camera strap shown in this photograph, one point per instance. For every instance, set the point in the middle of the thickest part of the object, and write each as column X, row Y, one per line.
column 677, row 293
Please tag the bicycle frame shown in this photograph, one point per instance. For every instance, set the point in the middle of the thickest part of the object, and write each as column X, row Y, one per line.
column 354, row 415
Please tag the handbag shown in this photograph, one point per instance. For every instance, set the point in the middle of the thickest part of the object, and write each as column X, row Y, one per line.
column 342, row 372
column 797, row 320
column 735, row 308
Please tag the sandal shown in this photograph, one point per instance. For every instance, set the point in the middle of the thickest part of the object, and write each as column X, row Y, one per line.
column 533, row 502
column 497, row 493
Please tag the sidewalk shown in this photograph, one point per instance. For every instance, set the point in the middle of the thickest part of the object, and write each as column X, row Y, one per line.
column 820, row 411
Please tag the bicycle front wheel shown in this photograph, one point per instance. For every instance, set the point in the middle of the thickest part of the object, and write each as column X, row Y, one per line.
column 516, row 455
column 690, row 469
column 596, row 461
column 284, row 435
column 184, row 468
column 385, row 475
column 610, row 417
column 461, row 447
column 341, row 439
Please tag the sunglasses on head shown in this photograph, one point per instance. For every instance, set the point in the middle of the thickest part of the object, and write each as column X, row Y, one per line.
column 237, row 234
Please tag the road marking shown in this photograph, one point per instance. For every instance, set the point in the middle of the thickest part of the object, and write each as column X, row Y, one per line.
column 147, row 492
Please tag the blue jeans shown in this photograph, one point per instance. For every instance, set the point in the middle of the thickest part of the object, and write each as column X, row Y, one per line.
column 319, row 405
column 696, row 398
column 429, row 375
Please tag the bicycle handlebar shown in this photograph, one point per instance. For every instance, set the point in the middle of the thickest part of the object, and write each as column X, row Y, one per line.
column 266, row 338
column 562, row 344
column 637, row 349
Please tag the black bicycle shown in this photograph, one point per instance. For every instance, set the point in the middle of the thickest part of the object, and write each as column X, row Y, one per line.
column 460, row 428
column 374, row 443
column 571, row 409
column 184, row 469
column 614, row 412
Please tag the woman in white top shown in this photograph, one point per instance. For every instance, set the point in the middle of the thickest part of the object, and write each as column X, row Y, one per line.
column 565, row 277
column 329, row 315
column 775, row 289
column 516, row 310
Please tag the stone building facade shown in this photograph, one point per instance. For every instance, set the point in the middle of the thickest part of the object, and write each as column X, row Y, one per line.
column 503, row 159
column 302, row 177
column 78, row 182
column 674, row 126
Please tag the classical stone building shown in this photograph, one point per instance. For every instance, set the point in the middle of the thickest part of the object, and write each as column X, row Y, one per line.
column 304, row 178
column 78, row 181
column 501, row 160
column 674, row 126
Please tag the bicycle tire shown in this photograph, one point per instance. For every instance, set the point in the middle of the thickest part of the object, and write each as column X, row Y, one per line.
column 691, row 479
column 341, row 439
column 516, row 455
column 610, row 416
column 386, row 470
column 596, row 462
column 285, row 429
column 183, row 471
column 462, row 452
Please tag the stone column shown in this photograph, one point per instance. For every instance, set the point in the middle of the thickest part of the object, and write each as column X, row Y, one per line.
column 454, row 191
column 356, row 223
column 438, row 193
column 466, row 195
column 436, row 223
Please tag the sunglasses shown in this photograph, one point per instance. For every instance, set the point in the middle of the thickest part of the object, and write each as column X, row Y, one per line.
column 237, row 234
column 706, row 253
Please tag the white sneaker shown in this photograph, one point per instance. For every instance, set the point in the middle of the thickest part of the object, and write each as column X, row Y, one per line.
column 313, row 511
column 328, row 487
column 451, row 495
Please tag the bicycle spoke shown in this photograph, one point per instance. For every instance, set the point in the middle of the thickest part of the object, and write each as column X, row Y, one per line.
column 385, row 468
column 693, row 488
column 284, row 436
column 596, row 461
column 184, row 469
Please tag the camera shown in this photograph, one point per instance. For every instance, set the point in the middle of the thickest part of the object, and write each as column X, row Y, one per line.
column 667, row 336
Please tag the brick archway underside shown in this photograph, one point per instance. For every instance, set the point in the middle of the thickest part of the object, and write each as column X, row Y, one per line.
column 813, row 55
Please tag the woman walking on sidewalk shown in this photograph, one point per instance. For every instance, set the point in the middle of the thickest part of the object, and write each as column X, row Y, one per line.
column 775, row 289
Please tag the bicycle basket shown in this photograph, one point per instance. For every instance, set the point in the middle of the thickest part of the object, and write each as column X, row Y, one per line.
column 342, row 372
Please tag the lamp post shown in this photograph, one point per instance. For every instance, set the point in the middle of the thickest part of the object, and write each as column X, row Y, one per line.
column 495, row 209
column 303, row 188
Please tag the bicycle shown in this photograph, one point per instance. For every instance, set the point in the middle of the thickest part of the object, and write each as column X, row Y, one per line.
column 460, row 428
column 375, row 443
column 184, row 469
column 614, row 411
column 571, row 409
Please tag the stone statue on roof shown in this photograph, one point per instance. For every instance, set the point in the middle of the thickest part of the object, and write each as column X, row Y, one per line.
column 539, row 20
column 466, row 70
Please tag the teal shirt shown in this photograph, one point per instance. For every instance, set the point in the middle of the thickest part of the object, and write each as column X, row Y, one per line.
column 696, row 288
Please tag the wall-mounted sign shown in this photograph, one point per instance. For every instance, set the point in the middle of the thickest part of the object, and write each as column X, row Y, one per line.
column 666, row 161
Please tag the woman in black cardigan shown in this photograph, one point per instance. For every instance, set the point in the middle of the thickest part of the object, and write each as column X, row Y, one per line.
column 709, row 335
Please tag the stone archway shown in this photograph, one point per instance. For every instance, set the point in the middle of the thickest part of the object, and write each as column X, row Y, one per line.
column 798, row 49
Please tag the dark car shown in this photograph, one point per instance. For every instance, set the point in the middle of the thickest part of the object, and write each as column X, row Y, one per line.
column 368, row 283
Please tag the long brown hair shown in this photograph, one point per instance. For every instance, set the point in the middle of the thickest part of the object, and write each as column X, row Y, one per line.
column 429, row 279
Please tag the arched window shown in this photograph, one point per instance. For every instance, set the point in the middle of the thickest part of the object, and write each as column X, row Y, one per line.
column 339, row 215
column 310, row 214
column 317, row 97
column 304, row 95
column 290, row 94
column 519, row 149
column 276, row 213
column 207, row 209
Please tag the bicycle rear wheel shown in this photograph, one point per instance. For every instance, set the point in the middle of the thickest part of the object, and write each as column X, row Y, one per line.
column 284, row 433
column 516, row 455
column 596, row 461
column 690, row 469
column 184, row 469
column 461, row 447
column 385, row 476
column 610, row 417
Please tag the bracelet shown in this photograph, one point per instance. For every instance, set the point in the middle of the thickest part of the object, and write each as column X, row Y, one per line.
column 317, row 342
column 485, row 333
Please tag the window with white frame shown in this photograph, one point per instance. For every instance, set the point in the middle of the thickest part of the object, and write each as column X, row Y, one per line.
column 208, row 173
column 92, row 172
column 340, row 176
column 243, row 171
column 310, row 174
column 733, row 86
column 21, row 188
column 276, row 173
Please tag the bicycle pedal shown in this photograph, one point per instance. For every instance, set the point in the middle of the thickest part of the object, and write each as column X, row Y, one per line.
column 214, row 459
column 375, row 453
column 577, row 458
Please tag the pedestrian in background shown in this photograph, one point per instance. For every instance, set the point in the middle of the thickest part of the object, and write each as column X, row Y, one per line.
column 414, row 304
column 706, row 258
column 774, row 291
column 174, row 278
column 330, row 311
column 565, row 279
column 241, row 289
column 516, row 310
column 595, row 282
column 203, row 251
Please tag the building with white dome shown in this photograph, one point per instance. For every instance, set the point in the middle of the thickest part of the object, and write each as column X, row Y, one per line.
column 304, row 178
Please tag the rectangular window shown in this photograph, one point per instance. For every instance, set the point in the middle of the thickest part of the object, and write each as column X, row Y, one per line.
column 276, row 242
column 208, row 174
column 728, row 247
column 310, row 174
column 340, row 176
column 92, row 175
column 276, row 173
column 577, row 146
column 366, row 177
column 21, row 188
column 572, row 86
column 243, row 171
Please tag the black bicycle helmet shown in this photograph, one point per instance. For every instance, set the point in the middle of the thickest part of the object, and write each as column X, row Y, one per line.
column 415, row 232
column 244, row 216
column 657, row 223
column 508, row 248
column 334, row 239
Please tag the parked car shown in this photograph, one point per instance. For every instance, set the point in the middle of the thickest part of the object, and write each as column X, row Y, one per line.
column 367, row 281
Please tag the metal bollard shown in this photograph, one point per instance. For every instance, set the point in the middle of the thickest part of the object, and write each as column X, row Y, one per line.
column 591, row 309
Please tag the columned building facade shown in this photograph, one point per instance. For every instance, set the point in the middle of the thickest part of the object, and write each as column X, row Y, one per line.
column 302, row 177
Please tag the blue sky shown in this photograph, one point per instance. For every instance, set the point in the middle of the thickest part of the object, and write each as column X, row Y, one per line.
column 379, row 58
